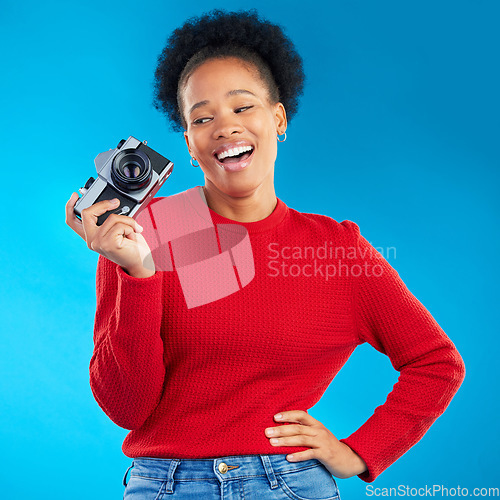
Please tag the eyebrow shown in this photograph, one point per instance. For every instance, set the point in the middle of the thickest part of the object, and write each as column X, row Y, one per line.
column 229, row 94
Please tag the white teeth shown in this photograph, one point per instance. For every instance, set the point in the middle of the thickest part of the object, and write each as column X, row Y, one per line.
column 233, row 152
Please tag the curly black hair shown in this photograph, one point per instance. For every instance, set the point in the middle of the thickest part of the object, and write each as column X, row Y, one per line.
column 217, row 34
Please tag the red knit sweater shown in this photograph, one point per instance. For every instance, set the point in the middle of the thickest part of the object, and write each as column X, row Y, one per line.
column 197, row 368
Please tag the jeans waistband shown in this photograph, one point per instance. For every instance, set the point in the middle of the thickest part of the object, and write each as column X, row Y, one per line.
column 221, row 468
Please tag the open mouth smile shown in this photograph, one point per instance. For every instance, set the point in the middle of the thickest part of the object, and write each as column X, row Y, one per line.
column 234, row 157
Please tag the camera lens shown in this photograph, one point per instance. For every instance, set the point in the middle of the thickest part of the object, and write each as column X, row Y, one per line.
column 131, row 170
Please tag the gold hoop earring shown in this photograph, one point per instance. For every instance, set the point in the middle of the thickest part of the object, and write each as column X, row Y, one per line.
column 193, row 158
column 278, row 138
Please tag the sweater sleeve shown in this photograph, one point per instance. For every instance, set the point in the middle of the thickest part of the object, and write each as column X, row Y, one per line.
column 430, row 368
column 126, row 368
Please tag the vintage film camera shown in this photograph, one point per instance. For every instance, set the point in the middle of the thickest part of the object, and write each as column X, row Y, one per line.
column 132, row 172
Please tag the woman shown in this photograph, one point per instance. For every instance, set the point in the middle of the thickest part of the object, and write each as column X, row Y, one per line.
column 213, row 347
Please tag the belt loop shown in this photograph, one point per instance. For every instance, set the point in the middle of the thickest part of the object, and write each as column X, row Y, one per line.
column 269, row 471
column 169, row 488
column 125, row 476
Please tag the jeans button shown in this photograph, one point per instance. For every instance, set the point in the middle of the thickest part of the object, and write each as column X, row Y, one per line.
column 222, row 468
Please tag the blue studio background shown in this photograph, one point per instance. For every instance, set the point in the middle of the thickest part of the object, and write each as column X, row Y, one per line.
column 398, row 131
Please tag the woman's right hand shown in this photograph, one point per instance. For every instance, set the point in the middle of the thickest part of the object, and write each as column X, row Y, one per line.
column 118, row 238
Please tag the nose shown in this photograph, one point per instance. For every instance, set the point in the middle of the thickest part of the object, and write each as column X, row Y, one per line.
column 227, row 125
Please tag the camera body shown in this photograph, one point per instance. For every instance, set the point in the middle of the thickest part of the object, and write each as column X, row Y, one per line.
column 132, row 172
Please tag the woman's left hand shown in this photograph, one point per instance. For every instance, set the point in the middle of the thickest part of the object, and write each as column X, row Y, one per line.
column 340, row 460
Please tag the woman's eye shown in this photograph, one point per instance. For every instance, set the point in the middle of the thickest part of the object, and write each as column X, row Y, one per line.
column 239, row 110
column 199, row 121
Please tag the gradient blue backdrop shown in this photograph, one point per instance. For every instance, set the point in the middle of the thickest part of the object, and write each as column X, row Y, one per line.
column 398, row 131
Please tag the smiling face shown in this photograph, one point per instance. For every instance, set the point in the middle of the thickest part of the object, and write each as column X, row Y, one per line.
column 231, row 127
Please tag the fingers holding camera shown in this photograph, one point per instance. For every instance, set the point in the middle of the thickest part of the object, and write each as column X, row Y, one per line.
column 71, row 219
column 115, row 235
column 118, row 239
column 122, row 244
column 91, row 214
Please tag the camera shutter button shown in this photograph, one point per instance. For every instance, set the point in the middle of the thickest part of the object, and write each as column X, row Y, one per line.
column 89, row 183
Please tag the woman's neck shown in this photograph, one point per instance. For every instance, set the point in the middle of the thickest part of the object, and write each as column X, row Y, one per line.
column 257, row 206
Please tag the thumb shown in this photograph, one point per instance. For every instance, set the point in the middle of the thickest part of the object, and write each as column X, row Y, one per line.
column 91, row 214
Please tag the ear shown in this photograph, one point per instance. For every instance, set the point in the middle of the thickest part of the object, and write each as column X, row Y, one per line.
column 186, row 138
column 280, row 117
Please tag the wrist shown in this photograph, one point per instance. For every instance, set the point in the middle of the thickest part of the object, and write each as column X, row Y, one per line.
column 140, row 272
column 355, row 465
column 358, row 464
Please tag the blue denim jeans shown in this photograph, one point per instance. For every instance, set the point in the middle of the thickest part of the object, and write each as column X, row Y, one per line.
column 249, row 477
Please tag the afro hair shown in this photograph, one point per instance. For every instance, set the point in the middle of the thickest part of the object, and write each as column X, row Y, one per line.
column 217, row 34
